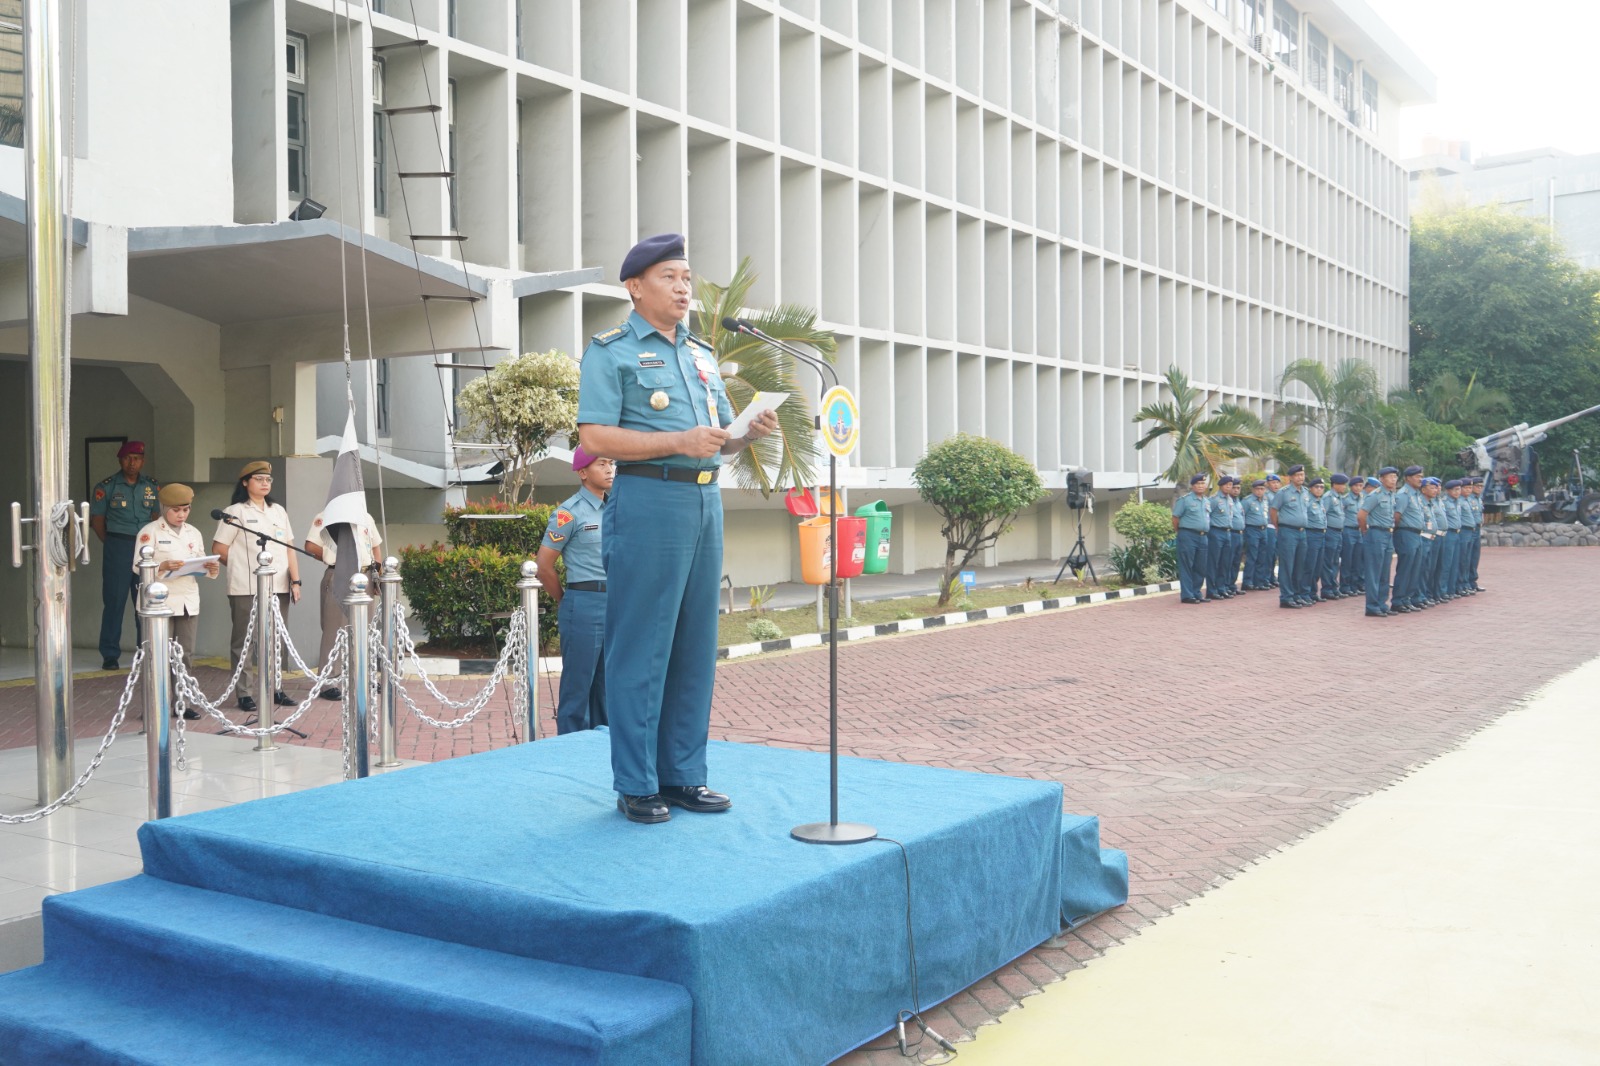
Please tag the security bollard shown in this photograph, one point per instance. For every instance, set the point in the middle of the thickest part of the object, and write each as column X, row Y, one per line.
column 147, row 577
column 528, row 720
column 388, row 600
column 157, row 618
column 266, row 646
column 357, row 606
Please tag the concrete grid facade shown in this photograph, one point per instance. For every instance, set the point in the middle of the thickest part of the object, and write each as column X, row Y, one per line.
column 1014, row 215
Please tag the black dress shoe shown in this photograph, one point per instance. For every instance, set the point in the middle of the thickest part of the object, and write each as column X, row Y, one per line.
column 247, row 704
column 191, row 715
column 696, row 798
column 281, row 698
column 1188, row 601
column 110, row 664
column 1290, row 605
column 645, row 809
column 332, row 694
column 1377, row 614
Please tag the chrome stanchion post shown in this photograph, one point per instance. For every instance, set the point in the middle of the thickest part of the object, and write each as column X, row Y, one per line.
column 266, row 648
column 146, row 566
column 357, row 606
column 157, row 691
column 388, row 600
column 529, row 588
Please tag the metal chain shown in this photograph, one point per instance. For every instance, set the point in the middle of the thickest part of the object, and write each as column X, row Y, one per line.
column 189, row 693
column 473, row 706
column 99, row 756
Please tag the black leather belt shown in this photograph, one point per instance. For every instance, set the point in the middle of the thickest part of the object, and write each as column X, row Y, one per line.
column 586, row 586
column 1285, row 525
column 670, row 473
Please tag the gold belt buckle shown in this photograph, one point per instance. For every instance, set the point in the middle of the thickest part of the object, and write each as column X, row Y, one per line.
column 704, row 477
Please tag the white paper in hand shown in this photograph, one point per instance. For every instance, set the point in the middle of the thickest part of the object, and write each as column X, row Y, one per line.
column 760, row 404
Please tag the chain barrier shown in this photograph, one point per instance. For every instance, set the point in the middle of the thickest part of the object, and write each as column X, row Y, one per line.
column 99, row 756
column 188, row 693
column 406, row 651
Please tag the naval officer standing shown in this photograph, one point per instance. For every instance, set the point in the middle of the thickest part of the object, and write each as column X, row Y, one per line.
column 573, row 533
column 651, row 397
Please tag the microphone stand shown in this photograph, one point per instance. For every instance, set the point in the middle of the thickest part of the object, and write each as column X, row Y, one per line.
column 832, row 831
column 262, row 540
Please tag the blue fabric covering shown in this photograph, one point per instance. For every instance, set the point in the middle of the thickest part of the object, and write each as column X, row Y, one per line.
column 792, row 952
column 144, row 971
column 1093, row 879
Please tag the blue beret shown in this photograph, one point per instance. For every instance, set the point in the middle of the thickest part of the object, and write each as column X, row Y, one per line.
column 1373, row 483
column 1430, row 481
column 1410, row 470
column 1341, row 479
column 1274, row 477
column 1390, row 470
column 1314, row 482
column 650, row 251
column 1225, row 479
column 1454, row 483
column 1258, row 483
column 1297, row 468
column 1197, row 479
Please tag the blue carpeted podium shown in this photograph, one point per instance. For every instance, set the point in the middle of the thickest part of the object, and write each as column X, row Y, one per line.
column 502, row 896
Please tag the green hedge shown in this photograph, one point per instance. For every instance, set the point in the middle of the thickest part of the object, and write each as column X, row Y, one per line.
column 453, row 589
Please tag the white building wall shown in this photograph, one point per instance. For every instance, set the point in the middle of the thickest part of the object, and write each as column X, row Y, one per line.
column 1556, row 188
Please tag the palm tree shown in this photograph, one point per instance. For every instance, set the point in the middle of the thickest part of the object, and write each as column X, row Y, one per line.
column 1377, row 433
column 1201, row 443
column 1472, row 408
column 750, row 366
column 1352, row 383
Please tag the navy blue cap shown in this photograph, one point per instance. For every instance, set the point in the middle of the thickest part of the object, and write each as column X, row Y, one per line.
column 1314, row 482
column 1274, row 477
column 1430, row 481
column 1297, row 468
column 1258, row 483
column 1341, row 479
column 650, row 251
column 1197, row 479
column 1410, row 470
column 1225, row 479
column 1390, row 470
column 1373, row 483
column 1454, row 483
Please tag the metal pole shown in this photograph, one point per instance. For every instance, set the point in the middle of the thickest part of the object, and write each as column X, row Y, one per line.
column 529, row 588
column 388, row 600
column 357, row 606
column 266, row 647
column 157, row 696
column 147, row 578
column 48, row 343
column 833, row 641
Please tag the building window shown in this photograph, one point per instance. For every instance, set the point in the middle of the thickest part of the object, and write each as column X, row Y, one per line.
column 299, row 164
column 294, row 59
column 1344, row 84
column 519, row 171
column 450, row 146
column 1219, row 6
column 1252, row 22
column 1286, row 34
column 380, row 155
column 380, row 404
column 1316, row 59
column 450, row 17
column 1369, row 102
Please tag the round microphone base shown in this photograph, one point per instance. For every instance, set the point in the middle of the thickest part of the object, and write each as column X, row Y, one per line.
column 834, row 833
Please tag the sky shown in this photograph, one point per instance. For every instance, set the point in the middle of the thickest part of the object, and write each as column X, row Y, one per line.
column 1512, row 74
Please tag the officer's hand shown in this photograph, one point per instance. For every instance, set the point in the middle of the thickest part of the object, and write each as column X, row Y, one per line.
column 212, row 569
column 702, row 442
column 761, row 426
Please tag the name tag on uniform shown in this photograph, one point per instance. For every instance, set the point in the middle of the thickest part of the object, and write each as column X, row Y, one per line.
column 652, row 362
column 591, row 527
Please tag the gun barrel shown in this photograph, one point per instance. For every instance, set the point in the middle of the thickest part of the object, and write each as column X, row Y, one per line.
column 1545, row 427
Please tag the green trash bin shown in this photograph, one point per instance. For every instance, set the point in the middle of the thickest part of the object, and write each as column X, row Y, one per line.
column 878, row 522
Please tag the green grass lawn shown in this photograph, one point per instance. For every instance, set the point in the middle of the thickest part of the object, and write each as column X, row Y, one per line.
column 735, row 628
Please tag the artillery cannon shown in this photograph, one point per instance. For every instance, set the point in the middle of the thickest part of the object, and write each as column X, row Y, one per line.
column 1513, row 483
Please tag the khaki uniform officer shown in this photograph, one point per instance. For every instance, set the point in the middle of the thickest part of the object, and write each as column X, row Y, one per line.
column 175, row 542
column 321, row 545
column 254, row 507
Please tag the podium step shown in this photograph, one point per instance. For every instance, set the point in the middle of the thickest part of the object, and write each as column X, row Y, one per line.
column 147, row 971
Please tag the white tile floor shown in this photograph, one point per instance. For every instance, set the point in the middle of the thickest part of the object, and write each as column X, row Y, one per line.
column 94, row 840
column 16, row 663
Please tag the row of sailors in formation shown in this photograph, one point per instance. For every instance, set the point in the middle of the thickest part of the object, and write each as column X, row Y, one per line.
column 1329, row 545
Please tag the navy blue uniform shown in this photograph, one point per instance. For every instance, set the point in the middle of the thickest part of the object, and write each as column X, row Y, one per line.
column 127, row 509
column 1194, row 524
column 1290, row 503
column 573, row 532
column 1410, row 523
column 1258, row 553
column 662, row 553
column 1377, row 547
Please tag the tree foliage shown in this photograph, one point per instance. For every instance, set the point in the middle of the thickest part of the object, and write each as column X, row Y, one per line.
column 978, row 486
column 750, row 366
column 1145, row 529
column 1352, row 384
column 1496, row 301
column 1202, row 442
column 523, row 402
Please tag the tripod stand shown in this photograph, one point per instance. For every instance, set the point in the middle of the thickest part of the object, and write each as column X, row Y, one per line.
column 1078, row 558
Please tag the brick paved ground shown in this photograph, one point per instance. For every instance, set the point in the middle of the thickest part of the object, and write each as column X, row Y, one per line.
column 1165, row 721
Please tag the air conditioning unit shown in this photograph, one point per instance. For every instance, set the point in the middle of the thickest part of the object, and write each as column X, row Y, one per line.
column 1341, row 97
column 1260, row 43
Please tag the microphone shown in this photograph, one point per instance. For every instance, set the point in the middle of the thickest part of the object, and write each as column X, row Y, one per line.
column 738, row 325
column 218, row 513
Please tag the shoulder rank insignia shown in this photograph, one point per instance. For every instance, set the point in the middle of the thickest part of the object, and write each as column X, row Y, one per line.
column 606, row 336
column 99, row 494
column 556, row 537
column 563, row 516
